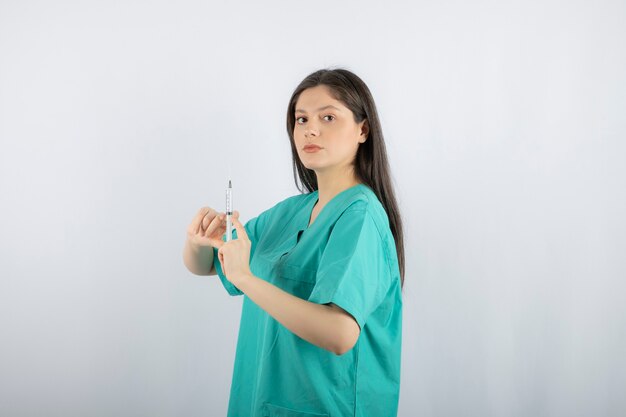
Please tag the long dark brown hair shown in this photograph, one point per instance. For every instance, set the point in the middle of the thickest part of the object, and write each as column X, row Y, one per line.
column 370, row 164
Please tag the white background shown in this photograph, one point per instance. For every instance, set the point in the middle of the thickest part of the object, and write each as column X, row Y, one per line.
column 505, row 127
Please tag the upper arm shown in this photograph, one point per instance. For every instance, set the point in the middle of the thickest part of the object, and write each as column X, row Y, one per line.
column 353, row 271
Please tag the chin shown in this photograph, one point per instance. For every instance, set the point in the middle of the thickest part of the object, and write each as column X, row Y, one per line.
column 313, row 167
column 309, row 164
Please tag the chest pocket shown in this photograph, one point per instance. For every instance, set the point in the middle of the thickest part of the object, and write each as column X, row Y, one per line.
column 290, row 266
column 295, row 279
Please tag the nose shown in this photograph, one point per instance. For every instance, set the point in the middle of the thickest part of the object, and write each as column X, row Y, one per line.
column 309, row 131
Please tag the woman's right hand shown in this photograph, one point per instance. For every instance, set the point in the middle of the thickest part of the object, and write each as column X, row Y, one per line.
column 207, row 228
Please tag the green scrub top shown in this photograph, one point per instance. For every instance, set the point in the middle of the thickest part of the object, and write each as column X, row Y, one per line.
column 346, row 257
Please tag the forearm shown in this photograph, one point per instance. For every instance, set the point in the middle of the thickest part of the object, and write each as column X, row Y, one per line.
column 198, row 259
column 318, row 324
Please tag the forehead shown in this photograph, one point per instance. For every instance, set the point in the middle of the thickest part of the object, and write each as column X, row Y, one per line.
column 312, row 99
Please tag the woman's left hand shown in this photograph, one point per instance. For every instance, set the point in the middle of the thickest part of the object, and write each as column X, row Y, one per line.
column 235, row 254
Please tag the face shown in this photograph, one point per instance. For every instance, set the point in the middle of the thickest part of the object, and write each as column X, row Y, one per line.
column 325, row 133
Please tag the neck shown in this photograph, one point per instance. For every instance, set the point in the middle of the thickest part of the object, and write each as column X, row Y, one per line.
column 331, row 184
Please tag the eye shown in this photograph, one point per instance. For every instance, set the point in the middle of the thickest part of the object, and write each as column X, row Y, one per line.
column 298, row 118
column 330, row 115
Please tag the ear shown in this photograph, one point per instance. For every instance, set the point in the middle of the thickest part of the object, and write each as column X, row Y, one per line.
column 365, row 130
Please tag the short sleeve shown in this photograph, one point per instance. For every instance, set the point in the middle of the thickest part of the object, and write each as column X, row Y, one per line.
column 353, row 272
column 254, row 228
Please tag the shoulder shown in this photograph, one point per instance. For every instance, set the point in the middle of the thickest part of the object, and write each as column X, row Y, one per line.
column 365, row 208
column 363, row 200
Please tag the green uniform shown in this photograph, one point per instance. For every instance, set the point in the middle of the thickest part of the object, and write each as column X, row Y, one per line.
column 346, row 257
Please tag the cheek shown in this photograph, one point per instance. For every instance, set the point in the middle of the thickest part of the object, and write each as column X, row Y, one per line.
column 348, row 141
column 298, row 133
column 297, row 139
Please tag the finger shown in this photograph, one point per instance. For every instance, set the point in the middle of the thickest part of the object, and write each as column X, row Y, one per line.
column 241, row 231
column 217, row 221
column 197, row 221
column 207, row 219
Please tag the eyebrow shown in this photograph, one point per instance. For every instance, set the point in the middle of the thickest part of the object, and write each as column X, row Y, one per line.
column 320, row 109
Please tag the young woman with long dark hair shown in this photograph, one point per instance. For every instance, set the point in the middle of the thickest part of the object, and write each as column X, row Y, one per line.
column 322, row 272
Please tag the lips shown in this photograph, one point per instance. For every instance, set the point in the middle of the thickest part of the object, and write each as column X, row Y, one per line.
column 311, row 148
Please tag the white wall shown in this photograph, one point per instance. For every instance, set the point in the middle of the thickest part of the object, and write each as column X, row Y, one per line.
column 505, row 128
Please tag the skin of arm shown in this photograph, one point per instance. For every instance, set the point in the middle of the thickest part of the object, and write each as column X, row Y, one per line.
column 326, row 326
column 196, row 258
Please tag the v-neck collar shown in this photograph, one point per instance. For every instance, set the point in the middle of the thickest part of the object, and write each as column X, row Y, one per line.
column 315, row 199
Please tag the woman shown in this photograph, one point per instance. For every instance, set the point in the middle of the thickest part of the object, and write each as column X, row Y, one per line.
column 321, row 324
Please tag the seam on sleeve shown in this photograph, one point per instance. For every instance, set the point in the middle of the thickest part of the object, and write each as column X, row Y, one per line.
column 385, row 241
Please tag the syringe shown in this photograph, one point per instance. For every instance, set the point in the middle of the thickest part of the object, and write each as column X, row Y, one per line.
column 229, row 211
